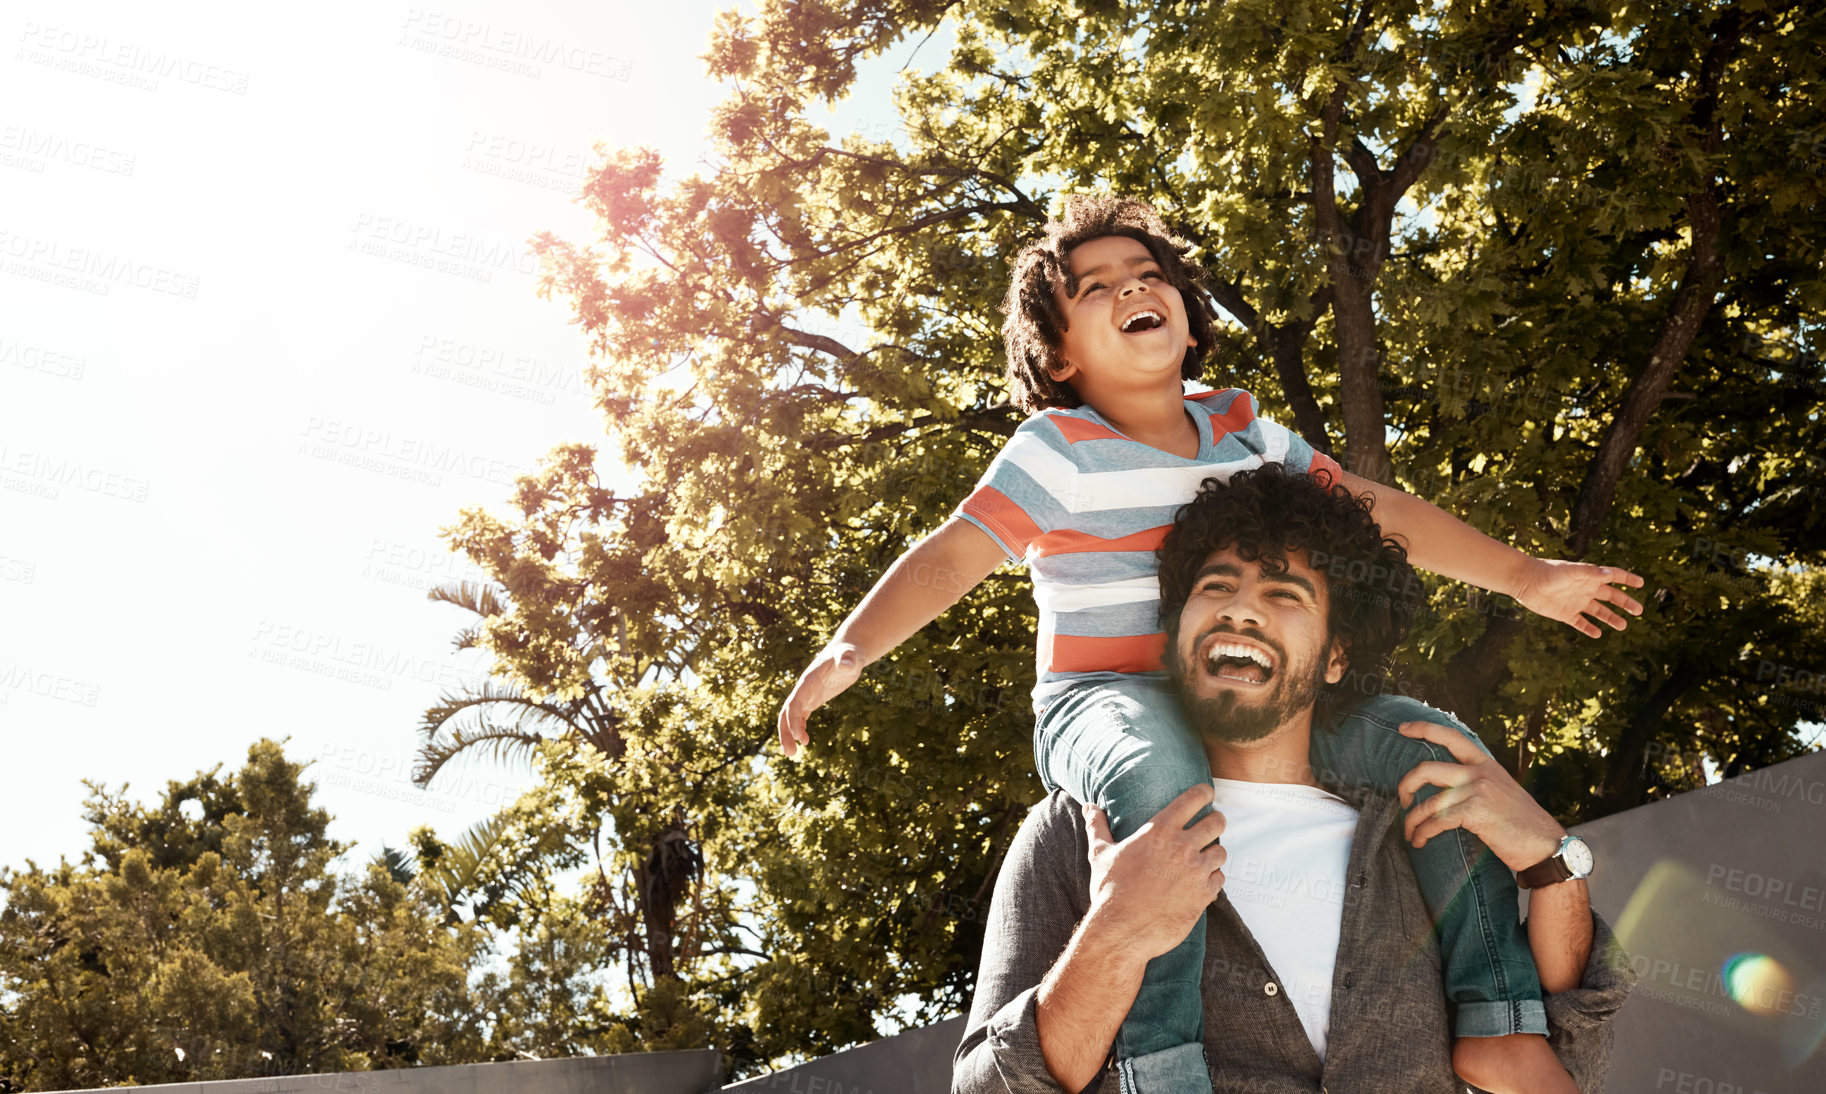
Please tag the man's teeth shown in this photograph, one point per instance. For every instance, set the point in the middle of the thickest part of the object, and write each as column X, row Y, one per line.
column 1130, row 323
column 1230, row 649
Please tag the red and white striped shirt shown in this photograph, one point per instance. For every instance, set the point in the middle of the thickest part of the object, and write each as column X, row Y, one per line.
column 1086, row 507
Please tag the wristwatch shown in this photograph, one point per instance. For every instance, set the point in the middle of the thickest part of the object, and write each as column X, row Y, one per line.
column 1571, row 862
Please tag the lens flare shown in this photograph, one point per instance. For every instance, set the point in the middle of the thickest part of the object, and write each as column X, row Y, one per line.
column 1759, row 983
column 1802, row 1033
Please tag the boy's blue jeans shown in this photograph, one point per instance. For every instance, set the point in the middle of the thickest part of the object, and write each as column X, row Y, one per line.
column 1124, row 744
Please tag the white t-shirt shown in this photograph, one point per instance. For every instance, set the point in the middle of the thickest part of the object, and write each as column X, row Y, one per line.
column 1289, row 861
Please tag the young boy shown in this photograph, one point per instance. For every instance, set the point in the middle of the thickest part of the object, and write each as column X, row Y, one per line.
column 1104, row 322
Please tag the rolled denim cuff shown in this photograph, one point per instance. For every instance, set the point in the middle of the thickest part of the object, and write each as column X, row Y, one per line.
column 1500, row 1018
column 1177, row 1070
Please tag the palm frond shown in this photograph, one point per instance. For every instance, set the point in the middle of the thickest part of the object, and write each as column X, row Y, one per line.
column 480, row 597
column 502, row 741
column 459, row 868
column 499, row 702
column 495, row 693
column 459, row 872
column 398, row 863
column 499, row 716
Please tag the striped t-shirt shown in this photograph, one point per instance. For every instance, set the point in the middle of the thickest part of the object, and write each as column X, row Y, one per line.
column 1086, row 507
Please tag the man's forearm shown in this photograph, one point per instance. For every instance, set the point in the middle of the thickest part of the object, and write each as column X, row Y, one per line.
column 1560, row 933
column 1082, row 1001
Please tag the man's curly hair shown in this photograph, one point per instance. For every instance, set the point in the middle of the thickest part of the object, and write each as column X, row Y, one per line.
column 1267, row 513
column 1034, row 324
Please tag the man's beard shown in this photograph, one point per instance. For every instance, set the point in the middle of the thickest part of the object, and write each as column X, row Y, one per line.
column 1231, row 719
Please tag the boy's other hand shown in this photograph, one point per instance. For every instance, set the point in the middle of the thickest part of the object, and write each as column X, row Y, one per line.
column 835, row 668
column 1572, row 591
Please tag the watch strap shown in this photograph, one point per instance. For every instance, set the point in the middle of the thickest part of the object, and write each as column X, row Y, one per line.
column 1551, row 871
column 1554, row 869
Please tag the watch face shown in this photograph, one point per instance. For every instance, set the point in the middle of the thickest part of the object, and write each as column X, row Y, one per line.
column 1577, row 857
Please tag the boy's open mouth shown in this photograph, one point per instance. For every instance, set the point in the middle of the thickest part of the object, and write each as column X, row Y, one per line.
column 1145, row 320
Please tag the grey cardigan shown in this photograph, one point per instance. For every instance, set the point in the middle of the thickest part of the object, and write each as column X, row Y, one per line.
column 1389, row 1029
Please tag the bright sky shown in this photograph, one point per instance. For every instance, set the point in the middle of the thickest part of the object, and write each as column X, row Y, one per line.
column 266, row 324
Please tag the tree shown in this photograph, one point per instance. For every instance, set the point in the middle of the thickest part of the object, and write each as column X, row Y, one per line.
column 205, row 937
column 1554, row 266
column 635, row 901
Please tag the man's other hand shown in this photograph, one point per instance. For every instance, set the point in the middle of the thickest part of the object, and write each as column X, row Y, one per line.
column 1154, row 885
column 1477, row 794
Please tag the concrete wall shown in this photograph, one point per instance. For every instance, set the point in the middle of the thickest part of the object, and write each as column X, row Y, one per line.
column 693, row 1072
column 915, row 1062
column 1719, row 895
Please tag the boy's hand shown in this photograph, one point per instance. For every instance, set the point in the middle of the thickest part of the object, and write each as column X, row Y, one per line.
column 1570, row 591
column 835, row 668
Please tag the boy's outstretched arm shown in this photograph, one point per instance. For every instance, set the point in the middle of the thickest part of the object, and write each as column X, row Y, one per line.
column 1440, row 542
column 921, row 584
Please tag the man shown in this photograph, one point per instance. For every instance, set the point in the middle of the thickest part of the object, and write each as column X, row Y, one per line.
column 1322, row 972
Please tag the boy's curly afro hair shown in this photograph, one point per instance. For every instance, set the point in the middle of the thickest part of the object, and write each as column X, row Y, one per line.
column 1034, row 324
column 1267, row 513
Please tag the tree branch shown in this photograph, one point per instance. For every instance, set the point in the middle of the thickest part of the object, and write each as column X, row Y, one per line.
column 1285, row 348
column 1419, row 154
column 999, row 419
column 820, row 342
column 1688, row 310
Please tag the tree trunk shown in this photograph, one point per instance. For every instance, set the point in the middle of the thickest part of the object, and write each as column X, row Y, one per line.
column 1625, row 781
column 663, row 881
column 1355, row 249
column 1352, row 276
column 1478, row 670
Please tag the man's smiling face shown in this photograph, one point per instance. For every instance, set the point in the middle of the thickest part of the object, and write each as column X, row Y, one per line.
column 1125, row 323
column 1253, row 647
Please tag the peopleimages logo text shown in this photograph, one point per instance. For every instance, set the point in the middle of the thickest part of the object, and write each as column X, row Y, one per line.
column 103, row 267
column 516, row 44
column 83, row 50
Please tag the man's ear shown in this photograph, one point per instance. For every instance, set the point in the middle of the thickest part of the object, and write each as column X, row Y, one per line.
column 1339, row 663
column 1062, row 371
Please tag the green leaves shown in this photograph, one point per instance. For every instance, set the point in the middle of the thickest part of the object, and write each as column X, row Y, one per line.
column 160, row 960
column 1556, row 267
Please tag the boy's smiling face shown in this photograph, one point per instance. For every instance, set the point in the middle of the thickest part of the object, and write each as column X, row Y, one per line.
column 1125, row 324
